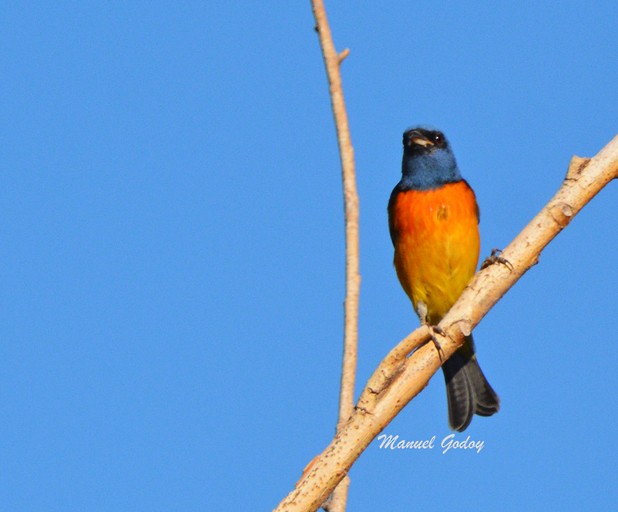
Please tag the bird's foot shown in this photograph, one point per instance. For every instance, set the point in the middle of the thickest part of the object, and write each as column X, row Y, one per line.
column 496, row 258
column 435, row 329
column 422, row 311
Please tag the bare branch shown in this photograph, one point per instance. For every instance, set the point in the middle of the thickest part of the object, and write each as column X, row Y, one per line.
column 398, row 378
column 332, row 61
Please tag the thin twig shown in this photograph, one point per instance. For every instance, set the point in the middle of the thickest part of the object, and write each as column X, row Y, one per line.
column 332, row 61
column 398, row 378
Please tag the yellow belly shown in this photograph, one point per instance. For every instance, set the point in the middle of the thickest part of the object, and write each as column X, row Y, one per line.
column 436, row 245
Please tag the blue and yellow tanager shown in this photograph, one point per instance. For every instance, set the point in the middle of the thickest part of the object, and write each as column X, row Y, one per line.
column 433, row 220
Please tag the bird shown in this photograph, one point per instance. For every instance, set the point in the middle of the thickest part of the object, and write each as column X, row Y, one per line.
column 433, row 221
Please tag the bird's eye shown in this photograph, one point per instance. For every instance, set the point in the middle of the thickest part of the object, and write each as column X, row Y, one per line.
column 438, row 139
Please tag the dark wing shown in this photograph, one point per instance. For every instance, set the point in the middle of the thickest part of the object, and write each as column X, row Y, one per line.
column 391, row 205
column 476, row 205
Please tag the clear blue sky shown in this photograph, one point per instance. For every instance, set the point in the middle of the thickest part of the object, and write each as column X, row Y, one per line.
column 171, row 250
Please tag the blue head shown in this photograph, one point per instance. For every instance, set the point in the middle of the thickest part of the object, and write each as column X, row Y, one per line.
column 428, row 161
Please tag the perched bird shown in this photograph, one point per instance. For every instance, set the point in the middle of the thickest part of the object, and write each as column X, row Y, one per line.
column 433, row 219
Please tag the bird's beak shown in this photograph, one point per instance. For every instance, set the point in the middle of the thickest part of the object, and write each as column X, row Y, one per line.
column 420, row 140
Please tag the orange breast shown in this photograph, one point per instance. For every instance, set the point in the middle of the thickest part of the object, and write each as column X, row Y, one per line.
column 437, row 244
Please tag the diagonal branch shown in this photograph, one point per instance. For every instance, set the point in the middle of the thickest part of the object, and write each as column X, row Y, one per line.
column 400, row 378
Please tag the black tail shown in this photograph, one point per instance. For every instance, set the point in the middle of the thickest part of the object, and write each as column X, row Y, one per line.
column 467, row 389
